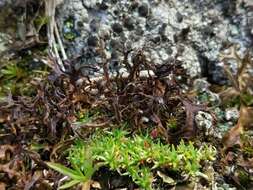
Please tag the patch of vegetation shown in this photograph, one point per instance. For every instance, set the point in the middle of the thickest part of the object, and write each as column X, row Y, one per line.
column 40, row 21
column 243, row 177
column 87, row 116
column 69, row 32
column 247, row 99
column 172, row 123
column 16, row 76
column 83, row 167
column 247, row 145
column 10, row 75
column 135, row 156
column 233, row 102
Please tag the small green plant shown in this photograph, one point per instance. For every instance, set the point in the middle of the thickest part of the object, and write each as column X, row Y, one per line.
column 135, row 156
column 10, row 76
column 11, row 71
column 40, row 21
column 16, row 76
column 86, row 116
column 247, row 145
column 69, row 29
column 83, row 167
column 172, row 123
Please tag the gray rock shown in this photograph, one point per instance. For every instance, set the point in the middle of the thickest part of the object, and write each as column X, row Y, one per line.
column 191, row 32
column 204, row 121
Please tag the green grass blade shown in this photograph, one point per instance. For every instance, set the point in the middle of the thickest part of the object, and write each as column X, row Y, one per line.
column 69, row 184
column 66, row 171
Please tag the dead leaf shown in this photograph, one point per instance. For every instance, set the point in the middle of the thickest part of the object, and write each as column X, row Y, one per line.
column 228, row 94
column 189, row 130
column 246, row 163
column 30, row 184
column 242, row 80
column 4, row 149
column 159, row 89
column 246, row 117
column 232, row 137
column 8, row 169
column 2, row 186
column 245, row 122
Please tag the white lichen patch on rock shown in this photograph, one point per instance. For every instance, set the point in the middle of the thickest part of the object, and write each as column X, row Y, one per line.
column 190, row 62
column 232, row 114
column 191, row 33
column 204, row 121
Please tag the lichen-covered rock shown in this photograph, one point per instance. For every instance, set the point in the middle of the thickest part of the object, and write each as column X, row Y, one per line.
column 204, row 121
column 201, row 85
column 190, row 32
column 232, row 114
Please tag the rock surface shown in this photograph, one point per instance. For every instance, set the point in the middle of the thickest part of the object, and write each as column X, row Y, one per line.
column 190, row 32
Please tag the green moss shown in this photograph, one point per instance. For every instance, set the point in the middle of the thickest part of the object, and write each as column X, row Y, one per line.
column 139, row 156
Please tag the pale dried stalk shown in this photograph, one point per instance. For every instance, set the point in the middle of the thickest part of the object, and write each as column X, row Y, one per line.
column 86, row 185
column 64, row 56
column 50, row 13
column 50, row 6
